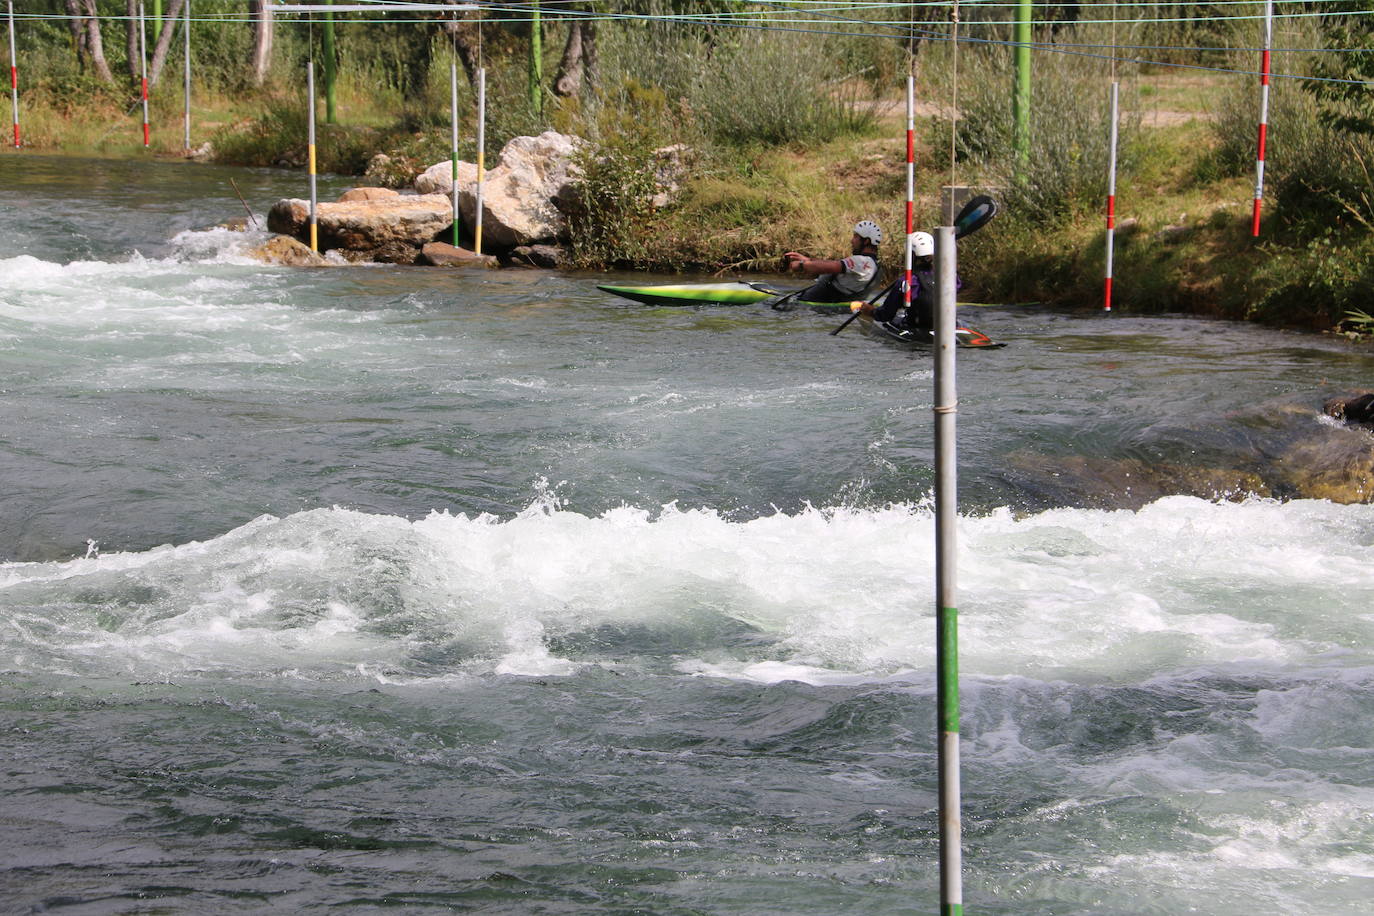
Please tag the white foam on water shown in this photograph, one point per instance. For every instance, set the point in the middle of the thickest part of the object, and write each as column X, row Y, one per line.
column 833, row 594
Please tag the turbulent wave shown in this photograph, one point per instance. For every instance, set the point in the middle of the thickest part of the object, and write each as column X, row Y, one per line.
column 820, row 595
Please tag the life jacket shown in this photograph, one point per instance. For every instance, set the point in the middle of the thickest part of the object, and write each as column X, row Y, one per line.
column 922, row 302
column 825, row 290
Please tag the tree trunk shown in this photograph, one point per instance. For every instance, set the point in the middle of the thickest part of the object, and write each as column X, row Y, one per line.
column 262, row 39
column 164, row 41
column 568, row 81
column 578, row 64
column 95, row 46
column 85, row 29
column 131, row 40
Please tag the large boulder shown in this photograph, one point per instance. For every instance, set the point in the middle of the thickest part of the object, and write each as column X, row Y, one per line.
column 519, row 194
column 386, row 224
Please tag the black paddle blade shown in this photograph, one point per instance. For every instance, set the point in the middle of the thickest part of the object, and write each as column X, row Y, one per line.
column 976, row 214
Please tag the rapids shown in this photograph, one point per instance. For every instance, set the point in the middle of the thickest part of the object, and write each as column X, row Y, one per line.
column 368, row 587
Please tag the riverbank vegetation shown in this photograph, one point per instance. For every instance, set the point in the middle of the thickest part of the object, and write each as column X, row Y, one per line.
column 798, row 130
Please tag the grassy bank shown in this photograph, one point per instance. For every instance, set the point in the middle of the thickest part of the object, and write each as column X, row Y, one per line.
column 791, row 153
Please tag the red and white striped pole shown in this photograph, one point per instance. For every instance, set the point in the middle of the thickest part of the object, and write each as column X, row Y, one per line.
column 1111, row 200
column 14, row 76
column 1264, row 115
column 143, row 52
column 910, row 179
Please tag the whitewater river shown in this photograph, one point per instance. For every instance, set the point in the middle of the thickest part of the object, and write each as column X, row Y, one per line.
column 367, row 587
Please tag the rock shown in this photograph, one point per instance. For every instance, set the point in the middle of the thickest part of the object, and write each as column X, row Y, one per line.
column 368, row 225
column 281, row 249
column 203, row 153
column 672, row 164
column 438, row 179
column 1357, row 408
column 1339, row 468
column 442, row 254
column 395, row 251
column 289, row 217
column 547, row 256
column 353, row 194
column 519, row 193
column 237, row 224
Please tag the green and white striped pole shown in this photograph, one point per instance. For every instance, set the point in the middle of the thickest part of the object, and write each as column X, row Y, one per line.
column 946, row 544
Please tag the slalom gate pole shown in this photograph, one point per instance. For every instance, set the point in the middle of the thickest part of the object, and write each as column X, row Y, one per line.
column 1264, row 115
column 14, row 76
column 1111, row 197
column 453, row 115
column 310, row 119
column 143, row 53
column 1021, row 91
column 481, row 150
column 946, row 537
column 330, row 65
column 536, row 78
column 910, row 178
column 186, row 48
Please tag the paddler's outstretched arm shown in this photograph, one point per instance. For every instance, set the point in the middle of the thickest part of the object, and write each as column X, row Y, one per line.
column 811, row 267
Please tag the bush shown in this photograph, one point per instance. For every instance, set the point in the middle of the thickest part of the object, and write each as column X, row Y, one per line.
column 619, row 181
column 1066, row 166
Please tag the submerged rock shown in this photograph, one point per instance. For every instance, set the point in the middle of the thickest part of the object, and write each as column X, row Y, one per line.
column 1354, row 408
column 284, row 250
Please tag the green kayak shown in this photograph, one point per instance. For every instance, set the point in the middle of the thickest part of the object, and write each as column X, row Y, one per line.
column 727, row 293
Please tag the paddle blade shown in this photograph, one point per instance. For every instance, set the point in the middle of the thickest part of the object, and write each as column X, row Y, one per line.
column 976, row 214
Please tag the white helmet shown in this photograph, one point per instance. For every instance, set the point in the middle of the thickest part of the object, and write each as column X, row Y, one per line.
column 922, row 244
column 867, row 229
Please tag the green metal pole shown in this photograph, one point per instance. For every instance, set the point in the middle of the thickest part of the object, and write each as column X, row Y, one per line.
column 536, row 59
column 1021, row 98
column 330, row 69
column 157, row 20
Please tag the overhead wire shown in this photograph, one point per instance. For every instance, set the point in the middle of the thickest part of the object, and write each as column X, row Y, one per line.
column 783, row 15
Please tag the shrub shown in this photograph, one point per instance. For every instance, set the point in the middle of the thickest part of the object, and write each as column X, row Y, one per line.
column 619, row 180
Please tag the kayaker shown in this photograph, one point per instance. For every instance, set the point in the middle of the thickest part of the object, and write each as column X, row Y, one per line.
column 842, row 279
column 921, row 315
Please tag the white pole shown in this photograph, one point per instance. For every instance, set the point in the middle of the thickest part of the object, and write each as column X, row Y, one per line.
column 310, row 119
column 1111, row 199
column 453, row 117
column 1264, row 115
column 143, row 53
column 14, row 77
column 186, row 42
column 481, row 150
column 946, row 536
